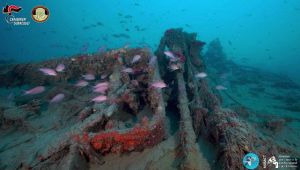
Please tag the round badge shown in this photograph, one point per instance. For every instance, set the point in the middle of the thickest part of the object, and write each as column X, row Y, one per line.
column 40, row 14
column 251, row 161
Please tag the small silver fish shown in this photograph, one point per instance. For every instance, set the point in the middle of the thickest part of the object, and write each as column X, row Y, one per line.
column 126, row 46
column 201, row 75
column 220, row 87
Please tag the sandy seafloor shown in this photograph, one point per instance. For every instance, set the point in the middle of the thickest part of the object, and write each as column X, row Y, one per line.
column 266, row 103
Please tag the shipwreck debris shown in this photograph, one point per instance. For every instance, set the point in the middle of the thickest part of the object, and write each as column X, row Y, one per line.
column 80, row 132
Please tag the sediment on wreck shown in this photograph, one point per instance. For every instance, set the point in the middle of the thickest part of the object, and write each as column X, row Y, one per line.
column 85, row 132
column 232, row 136
column 94, row 129
column 176, row 41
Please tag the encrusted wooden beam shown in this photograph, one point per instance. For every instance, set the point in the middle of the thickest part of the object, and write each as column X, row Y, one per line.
column 193, row 159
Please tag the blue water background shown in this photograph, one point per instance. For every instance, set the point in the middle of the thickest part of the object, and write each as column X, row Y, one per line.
column 264, row 34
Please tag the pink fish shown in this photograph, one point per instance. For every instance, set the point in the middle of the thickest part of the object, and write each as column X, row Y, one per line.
column 99, row 99
column 48, row 71
column 152, row 60
column 60, row 68
column 135, row 82
column 170, row 55
column 103, row 76
column 88, row 77
column 159, row 85
column 174, row 67
column 101, row 89
column 135, row 59
column 201, row 75
column 127, row 70
column 35, row 90
column 220, row 87
column 81, row 83
column 59, row 97
column 102, row 84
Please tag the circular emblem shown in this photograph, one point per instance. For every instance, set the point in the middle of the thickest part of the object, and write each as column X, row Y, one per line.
column 40, row 14
column 251, row 161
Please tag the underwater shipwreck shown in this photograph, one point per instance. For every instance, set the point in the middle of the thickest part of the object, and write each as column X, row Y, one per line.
column 150, row 114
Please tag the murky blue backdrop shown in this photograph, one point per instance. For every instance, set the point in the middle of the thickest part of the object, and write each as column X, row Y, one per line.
column 263, row 34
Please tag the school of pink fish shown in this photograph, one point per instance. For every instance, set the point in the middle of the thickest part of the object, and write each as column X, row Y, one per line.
column 53, row 72
column 103, row 87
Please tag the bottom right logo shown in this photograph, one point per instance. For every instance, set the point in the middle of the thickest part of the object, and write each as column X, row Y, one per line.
column 251, row 161
column 273, row 161
column 280, row 161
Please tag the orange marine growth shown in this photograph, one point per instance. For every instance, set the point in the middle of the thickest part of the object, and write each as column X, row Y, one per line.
column 137, row 139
